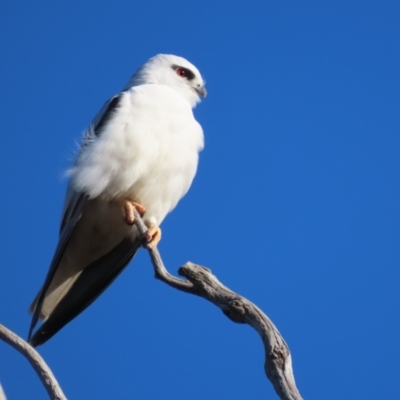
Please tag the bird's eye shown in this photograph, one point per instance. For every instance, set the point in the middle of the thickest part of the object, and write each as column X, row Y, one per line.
column 181, row 72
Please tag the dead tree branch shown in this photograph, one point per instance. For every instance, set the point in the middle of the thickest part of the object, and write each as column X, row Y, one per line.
column 201, row 282
column 44, row 372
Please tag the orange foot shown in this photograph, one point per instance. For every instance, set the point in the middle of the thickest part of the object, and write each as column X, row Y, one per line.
column 127, row 207
column 153, row 236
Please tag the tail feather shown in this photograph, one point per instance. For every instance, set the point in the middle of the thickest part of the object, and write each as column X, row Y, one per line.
column 90, row 283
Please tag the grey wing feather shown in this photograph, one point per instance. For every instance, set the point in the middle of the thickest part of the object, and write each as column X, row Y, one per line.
column 75, row 204
column 89, row 285
column 100, row 120
column 74, row 211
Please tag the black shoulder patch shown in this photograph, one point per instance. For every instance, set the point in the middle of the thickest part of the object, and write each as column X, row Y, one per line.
column 108, row 113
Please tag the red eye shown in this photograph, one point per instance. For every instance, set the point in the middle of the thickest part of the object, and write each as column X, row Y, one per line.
column 181, row 72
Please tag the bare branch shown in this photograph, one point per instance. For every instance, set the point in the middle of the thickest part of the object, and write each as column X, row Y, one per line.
column 201, row 282
column 46, row 376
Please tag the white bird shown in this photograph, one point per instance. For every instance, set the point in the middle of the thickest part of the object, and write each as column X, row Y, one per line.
column 141, row 150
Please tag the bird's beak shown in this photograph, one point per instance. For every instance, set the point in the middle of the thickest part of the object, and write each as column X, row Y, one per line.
column 201, row 91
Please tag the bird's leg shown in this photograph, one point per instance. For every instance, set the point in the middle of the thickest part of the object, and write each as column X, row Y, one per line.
column 127, row 207
column 153, row 236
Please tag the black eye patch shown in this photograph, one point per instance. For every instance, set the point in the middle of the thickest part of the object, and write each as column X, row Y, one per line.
column 183, row 72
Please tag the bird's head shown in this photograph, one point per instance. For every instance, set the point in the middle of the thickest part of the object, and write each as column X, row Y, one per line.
column 175, row 72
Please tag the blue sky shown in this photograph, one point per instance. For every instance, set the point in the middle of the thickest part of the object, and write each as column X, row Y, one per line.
column 295, row 204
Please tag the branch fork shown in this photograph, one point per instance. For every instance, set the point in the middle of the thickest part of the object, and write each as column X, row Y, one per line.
column 201, row 282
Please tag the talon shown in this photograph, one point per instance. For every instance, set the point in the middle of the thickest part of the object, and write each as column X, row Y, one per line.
column 127, row 207
column 153, row 236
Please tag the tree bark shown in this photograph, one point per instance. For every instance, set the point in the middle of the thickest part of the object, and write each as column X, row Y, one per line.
column 44, row 372
column 201, row 282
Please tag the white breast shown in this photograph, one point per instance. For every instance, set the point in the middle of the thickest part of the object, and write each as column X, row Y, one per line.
column 148, row 152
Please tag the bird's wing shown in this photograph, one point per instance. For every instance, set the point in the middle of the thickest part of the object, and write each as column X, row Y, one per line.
column 75, row 205
column 93, row 280
column 99, row 121
column 106, row 112
column 74, row 210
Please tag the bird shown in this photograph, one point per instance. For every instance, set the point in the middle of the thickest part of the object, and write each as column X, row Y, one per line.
column 140, row 152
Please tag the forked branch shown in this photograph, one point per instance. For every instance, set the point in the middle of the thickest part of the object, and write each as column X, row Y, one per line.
column 201, row 282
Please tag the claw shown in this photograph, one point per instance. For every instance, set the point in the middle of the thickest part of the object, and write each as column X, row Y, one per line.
column 127, row 207
column 153, row 236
